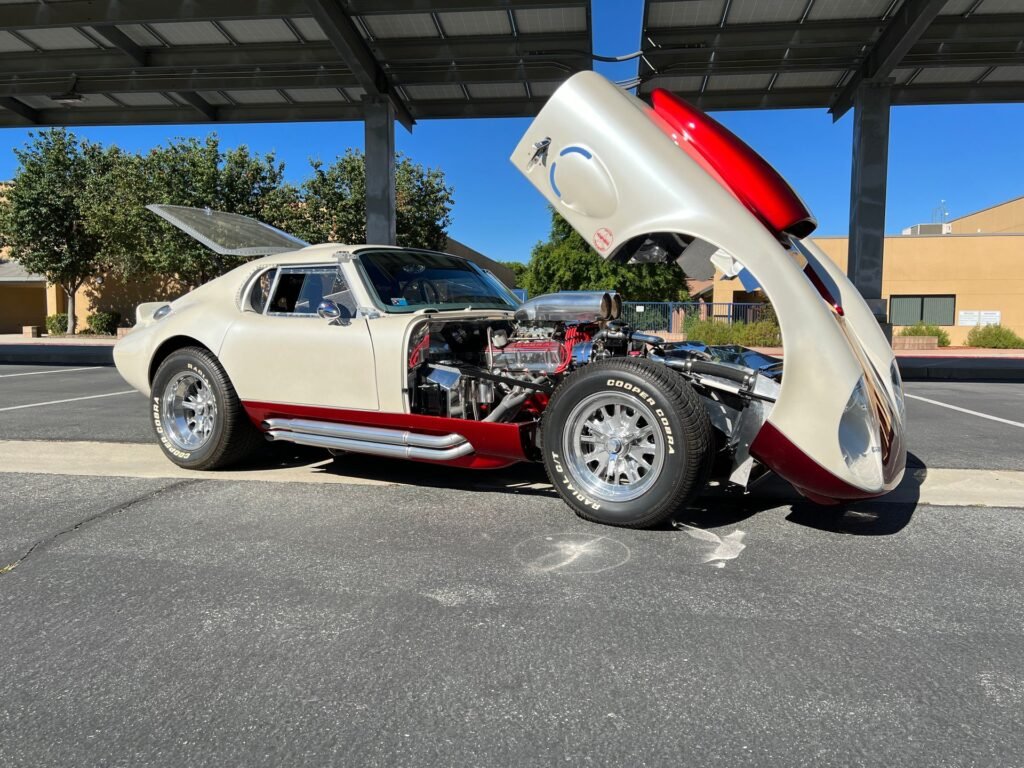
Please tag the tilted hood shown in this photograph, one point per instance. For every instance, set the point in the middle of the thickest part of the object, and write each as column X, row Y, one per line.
column 646, row 184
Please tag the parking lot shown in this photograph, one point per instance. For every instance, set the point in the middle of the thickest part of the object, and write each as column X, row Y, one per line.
column 370, row 612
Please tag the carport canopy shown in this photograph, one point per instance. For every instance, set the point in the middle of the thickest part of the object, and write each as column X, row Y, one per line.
column 132, row 62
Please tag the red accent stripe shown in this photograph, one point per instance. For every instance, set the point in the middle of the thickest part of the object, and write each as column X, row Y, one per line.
column 734, row 165
column 495, row 445
column 777, row 452
column 816, row 281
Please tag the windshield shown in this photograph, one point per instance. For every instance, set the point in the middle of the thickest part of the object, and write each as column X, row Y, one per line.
column 405, row 281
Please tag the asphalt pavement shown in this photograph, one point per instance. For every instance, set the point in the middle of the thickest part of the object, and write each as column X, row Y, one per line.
column 455, row 618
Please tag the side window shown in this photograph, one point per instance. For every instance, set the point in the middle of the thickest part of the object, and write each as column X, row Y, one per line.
column 341, row 295
column 300, row 290
column 259, row 292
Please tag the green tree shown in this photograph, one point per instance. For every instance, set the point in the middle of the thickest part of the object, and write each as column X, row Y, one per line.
column 41, row 216
column 567, row 263
column 186, row 172
column 333, row 204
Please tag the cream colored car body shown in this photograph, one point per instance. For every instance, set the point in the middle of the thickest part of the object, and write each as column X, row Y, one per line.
column 598, row 155
column 286, row 359
column 614, row 174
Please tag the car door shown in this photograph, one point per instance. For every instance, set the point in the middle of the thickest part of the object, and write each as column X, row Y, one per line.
column 281, row 351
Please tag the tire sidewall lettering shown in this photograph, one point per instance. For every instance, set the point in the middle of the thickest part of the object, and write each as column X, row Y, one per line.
column 165, row 442
column 567, row 484
column 659, row 412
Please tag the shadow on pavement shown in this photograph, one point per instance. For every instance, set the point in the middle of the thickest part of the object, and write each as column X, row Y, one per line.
column 719, row 506
column 873, row 517
column 728, row 505
column 523, row 479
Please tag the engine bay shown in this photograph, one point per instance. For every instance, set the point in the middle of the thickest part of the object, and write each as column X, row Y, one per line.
column 505, row 370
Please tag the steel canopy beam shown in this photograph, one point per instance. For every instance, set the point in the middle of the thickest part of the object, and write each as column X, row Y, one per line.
column 791, row 98
column 365, row 7
column 895, row 42
column 179, row 114
column 345, row 37
column 125, row 44
column 262, row 113
column 470, row 50
column 145, row 81
column 70, row 13
column 20, row 109
column 201, row 105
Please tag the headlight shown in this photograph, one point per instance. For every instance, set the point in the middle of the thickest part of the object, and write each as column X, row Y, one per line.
column 897, row 387
column 163, row 312
column 859, row 440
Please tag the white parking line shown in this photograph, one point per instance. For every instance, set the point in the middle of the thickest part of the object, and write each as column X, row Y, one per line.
column 68, row 400
column 965, row 410
column 40, row 373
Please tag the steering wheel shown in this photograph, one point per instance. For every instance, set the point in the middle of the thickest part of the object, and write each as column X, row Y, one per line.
column 428, row 293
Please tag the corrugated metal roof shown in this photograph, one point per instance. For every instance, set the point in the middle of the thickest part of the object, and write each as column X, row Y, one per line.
column 258, row 30
column 235, row 61
column 458, row 23
column 761, row 11
column 394, row 25
column 752, row 54
column 189, row 33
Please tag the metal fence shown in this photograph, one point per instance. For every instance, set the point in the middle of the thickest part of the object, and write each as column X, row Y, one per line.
column 671, row 316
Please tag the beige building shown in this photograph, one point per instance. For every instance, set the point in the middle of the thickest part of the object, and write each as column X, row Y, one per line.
column 22, row 297
column 971, row 271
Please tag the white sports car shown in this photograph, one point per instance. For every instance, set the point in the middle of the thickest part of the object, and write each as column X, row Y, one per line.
column 420, row 355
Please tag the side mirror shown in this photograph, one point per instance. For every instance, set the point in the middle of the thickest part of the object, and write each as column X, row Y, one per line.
column 328, row 310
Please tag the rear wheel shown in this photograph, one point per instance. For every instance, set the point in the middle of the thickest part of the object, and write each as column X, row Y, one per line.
column 196, row 413
column 626, row 442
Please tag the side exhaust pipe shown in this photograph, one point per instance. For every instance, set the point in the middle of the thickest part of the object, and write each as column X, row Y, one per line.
column 375, row 441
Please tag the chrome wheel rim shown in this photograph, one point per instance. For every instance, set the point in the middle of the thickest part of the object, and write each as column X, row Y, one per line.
column 188, row 411
column 614, row 447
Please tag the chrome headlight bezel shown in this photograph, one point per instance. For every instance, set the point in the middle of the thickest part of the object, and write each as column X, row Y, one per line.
column 897, row 388
column 860, row 440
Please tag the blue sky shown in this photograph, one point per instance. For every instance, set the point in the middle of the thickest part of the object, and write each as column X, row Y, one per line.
column 970, row 156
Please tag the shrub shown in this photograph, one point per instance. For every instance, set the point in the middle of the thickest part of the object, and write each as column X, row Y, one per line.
column 923, row 329
column 104, row 322
column 57, row 325
column 994, row 337
column 760, row 334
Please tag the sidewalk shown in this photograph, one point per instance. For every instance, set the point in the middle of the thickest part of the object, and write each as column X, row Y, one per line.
column 947, row 363
column 952, row 363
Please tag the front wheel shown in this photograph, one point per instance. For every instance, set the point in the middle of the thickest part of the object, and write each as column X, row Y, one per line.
column 196, row 413
column 626, row 442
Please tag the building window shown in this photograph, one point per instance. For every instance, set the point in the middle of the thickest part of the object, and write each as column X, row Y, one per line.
column 933, row 310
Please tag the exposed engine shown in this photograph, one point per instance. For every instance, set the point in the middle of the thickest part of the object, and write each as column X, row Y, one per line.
column 469, row 368
column 505, row 370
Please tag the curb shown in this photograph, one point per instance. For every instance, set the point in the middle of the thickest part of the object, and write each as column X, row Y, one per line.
column 961, row 368
column 57, row 354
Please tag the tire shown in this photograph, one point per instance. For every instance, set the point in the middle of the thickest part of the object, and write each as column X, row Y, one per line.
column 196, row 414
column 645, row 417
